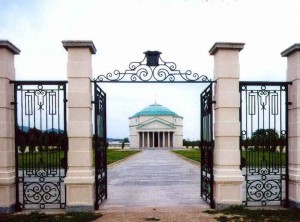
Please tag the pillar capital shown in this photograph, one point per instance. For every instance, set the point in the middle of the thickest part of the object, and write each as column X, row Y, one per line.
column 226, row 46
column 9, row 46
column 292, row 49
column 67, row 44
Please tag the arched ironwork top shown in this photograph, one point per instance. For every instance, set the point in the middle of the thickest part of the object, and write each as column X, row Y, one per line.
column 152, row 69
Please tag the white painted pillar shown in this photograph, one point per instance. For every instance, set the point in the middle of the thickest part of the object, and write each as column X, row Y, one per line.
column 7, row 127
column 142, row 139
column 80, row 180
column 163, row 139
column 228, row 177
column 169, row 141
column 293, row 75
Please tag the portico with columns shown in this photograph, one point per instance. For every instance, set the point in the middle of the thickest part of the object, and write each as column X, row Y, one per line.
column 155, row 126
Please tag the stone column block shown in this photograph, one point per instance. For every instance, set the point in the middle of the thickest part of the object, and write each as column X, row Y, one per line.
column 228, row 177
column 293, row 75
column 80, row 180
column 7, row 133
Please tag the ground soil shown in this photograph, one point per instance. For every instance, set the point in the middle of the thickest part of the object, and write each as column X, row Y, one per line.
column 162, row 214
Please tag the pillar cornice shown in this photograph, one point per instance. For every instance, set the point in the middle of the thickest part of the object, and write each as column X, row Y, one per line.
column 11, row 47
column 80, row 44
column 227, row 46
column 291, row 50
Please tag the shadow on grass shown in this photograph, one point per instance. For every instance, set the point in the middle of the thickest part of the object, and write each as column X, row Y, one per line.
column 38, row 216
column 245, row 214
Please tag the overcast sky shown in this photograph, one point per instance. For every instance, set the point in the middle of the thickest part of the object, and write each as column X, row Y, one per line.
column 183, row 30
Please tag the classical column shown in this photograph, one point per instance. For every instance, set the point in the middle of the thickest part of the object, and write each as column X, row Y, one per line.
column 80, row 180
column 171, row 139
column 163, row 139
column 152, row 139
column 228, row 178
column 158, row 142
column 148, row 139
column 167, row 139
column 142, row 139
column 7, row 127
column 293, row 75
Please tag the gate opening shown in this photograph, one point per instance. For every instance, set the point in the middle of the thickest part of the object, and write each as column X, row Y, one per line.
column 152, row 69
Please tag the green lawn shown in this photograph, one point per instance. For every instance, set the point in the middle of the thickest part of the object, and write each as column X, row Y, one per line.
column 42, row 217
column 38, row 159
column 237, row 214
column 193, row 154
column 257, row 158
column 116, row 155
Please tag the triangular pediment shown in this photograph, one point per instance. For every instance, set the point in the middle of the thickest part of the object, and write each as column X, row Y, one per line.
column 156, row 124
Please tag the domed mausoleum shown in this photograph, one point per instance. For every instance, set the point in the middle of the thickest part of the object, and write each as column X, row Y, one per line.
column 155, row 126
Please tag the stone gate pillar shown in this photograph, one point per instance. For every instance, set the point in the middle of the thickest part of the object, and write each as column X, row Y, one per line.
column 293, row 75
column 7, row 127
column 228, row 177
column 80, row 180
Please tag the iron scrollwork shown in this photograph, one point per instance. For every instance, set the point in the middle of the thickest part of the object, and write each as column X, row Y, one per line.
column 41, row 144
column 152, row 69
column 264, row 142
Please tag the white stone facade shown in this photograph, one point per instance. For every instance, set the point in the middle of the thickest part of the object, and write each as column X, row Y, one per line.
column 162, row 129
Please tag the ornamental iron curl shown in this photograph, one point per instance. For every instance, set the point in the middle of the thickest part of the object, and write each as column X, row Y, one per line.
column 152, row 69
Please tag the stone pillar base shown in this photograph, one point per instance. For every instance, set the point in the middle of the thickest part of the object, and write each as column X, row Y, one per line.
column 7, row 197
column 294, row 205
column 9, row 209
column 80, row 191
column 228, row 187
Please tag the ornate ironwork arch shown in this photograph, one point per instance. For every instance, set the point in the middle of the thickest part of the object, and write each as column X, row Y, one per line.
column 152, row 69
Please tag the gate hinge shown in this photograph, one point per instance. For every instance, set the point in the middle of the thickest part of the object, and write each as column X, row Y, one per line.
column 290, row 103
column 13, row 103
column 213, row 102
column 93, row 102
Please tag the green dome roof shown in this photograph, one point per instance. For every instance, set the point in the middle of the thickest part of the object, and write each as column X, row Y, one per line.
column 155, row 110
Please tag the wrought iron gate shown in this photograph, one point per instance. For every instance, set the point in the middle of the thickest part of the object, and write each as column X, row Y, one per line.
column 207, row 145
column 264, row 142
column 41, row 144
column 100, row 145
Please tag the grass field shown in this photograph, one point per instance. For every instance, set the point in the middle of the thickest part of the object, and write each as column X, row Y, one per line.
column 255, row 158
column 116, row 155
column 237, row 214
column 193, row 154
column 39, row 159
column 42, row 217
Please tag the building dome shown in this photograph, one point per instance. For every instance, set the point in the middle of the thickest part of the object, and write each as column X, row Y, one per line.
column 155, row 110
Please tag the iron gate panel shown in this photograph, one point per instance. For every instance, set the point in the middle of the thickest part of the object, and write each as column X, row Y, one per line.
column 264, row 142
column 100, row 145
column 207, row 145
column 41, row 144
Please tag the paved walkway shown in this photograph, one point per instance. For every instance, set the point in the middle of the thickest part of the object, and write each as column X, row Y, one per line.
column 154, row 178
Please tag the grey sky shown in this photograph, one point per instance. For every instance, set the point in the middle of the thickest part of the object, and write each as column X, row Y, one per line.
column 183, row 30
